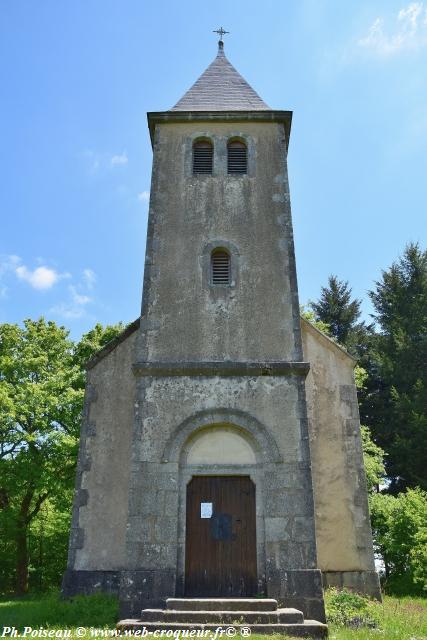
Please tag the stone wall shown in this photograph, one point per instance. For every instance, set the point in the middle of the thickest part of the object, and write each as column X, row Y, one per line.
column 98, row 554
column 270, row 413
column 343, row 531
column 97, row 543
column 184, row 317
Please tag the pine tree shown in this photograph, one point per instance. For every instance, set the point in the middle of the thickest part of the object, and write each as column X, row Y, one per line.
column 341, row 314
column 396, row 403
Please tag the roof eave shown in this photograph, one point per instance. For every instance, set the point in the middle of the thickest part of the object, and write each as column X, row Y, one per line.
column 158, row 117
column 112, row 344
column 329, row 340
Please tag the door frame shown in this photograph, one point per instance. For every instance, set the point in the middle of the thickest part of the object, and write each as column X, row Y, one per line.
column 187, row 473
column 247, row 481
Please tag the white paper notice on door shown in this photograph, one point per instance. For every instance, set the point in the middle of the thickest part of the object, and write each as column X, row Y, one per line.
column 206, row 509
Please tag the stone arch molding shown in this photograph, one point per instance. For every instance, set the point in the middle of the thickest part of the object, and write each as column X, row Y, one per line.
column 223, row 444
column 265, row 446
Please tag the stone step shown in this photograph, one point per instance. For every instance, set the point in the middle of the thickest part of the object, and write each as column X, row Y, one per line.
column 221, row 604
column 307, row 629
column 227, row 617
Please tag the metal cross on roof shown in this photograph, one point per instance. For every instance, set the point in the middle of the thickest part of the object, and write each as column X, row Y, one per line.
column 221, row 32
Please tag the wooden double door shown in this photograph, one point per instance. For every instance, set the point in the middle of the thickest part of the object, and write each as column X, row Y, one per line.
column 220, row 557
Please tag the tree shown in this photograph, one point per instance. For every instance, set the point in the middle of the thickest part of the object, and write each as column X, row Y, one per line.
column 48, row 538
column 341, row 314
column 40, row 406
column 94, row 340
column 308, row 315
column 399, row 526
column 373, row 457
column 41, row 395
column 396, row 403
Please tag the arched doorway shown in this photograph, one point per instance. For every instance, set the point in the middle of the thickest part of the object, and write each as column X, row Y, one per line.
column 217, row 443
column 220, row 531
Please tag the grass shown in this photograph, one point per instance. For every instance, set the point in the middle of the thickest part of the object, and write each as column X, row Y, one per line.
column 51, row 611
column 398, row 618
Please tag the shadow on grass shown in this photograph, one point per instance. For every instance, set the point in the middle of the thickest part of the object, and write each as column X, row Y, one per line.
column 51, row 610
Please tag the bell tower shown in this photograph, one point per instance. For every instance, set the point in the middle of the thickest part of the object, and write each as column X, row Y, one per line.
column 220, row 489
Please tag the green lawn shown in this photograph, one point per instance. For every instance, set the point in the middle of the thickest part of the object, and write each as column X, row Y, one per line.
column 53, row 612
column 398, row 618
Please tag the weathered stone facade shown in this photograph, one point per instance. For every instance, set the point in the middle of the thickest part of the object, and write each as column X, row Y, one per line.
column 206, row 360
column 343, row 530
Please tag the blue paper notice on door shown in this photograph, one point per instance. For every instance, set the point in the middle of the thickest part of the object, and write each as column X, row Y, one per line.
column 206, row 509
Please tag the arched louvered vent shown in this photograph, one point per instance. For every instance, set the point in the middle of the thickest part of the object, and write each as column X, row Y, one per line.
column 237, row 157
column 220, row 267
column 202, row 157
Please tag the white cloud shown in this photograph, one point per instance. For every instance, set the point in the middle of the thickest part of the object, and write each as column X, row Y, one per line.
column 74, row 308
column 97, row 161
column 144, row 196
column 409, row 32
column 68, row 311
column 119, row 159
column 8, row 263
column 40, row 278
column 89, row 278
column 44, row 278
column 78, row 298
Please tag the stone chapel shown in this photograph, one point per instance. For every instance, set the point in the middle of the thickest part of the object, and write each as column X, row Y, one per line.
column 220, row 452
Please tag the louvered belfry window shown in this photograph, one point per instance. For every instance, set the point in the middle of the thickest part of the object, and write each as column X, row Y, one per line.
column 220, row 267
column 202, row 157
column 237, row 157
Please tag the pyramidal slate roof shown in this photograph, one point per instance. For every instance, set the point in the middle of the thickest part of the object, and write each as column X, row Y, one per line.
column 221, row 88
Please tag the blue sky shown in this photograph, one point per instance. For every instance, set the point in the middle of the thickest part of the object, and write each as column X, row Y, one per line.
column 77, row 78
